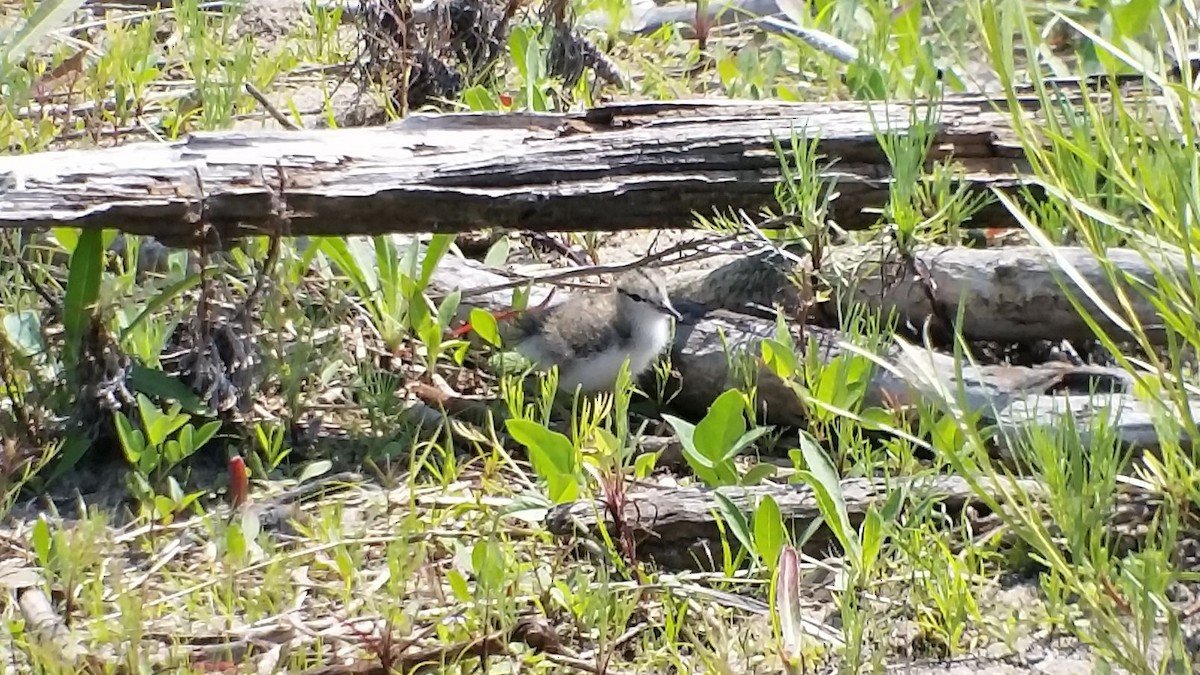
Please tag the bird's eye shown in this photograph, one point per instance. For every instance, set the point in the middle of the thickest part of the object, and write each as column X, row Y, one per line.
column 635, row 297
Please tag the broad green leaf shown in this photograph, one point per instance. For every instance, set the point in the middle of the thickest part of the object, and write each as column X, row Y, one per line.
column 704, row 467
column 855, row 373
column 130, row 438
column 497, row 254
column 434, row 252
column 188, row 500
column 895, row 501
column 757, row 473
column 178, row 496
column 520, row 297
column 148, row 411
column 832, row 378
column 458, row 586
column 430, row 335
column 205, row 434
column 726, row 474
column 480, row 99
column 449, row 308
column 409, row 269
column 1132, row 16
column 780, row 359
column 735, row 520
column 235, row 540
column 727, row 70
column 483, row 323
column 172, row 450
column 150, row 458
column 67, row 237
column 518, row 44
column 339, row 252
column 490, row 565
column 83, row 288
column 552, row 456
column 827, row 488
column 41, row 541
column 159, row 426
column 783, row 336
column 721, row 427
column 389, row 277
column 644, row 465
column 164, row 506
column 872, row 538
column 770, row 533
column 160, row 385
column 419, row 315
column 744, row 442
column 507, row 363
column 876, row 419
column 556, row 447
column 684, row 430
column 24, row 331
column 315, row 469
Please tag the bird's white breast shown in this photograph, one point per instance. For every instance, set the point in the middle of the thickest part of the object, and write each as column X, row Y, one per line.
column 599, row 370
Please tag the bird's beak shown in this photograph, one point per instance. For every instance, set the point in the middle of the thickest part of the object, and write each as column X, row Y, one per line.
column 670, row 309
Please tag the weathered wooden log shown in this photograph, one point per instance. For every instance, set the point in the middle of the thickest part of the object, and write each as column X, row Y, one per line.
column 1015, row 399
column 677, row 527
column 1009, row 294
column 650, row 165
column 48, row 627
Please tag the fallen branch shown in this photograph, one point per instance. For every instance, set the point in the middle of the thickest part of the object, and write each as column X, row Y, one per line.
column 49, row 628
column 648, row 165
column 1009, row 294
column 678, row 527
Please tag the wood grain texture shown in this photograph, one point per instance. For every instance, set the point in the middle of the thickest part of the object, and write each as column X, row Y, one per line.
column 678, row 529
column 629, row 166
column 1008, row 294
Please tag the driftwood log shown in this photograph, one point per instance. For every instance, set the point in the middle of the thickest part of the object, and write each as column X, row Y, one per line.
column 642, row 165
column 1015, row 399
column 678, row 527
column 1009, row 294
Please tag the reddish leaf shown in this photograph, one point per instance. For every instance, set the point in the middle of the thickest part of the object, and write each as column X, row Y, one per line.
column 239, row 481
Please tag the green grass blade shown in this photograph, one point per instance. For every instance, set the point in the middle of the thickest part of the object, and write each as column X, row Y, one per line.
column 83, row 288
column 168, row 294
column 49, row 15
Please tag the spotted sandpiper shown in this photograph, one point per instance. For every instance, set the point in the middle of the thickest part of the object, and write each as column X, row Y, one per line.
column 589, row 335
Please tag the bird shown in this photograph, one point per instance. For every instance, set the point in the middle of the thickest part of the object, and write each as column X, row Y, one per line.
column 589, row 335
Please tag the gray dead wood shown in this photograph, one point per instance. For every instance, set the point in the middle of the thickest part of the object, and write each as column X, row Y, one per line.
column 1016, row 400
column 1009, row 294
column 649, row 165
column 677, row 527
column 43, row 622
